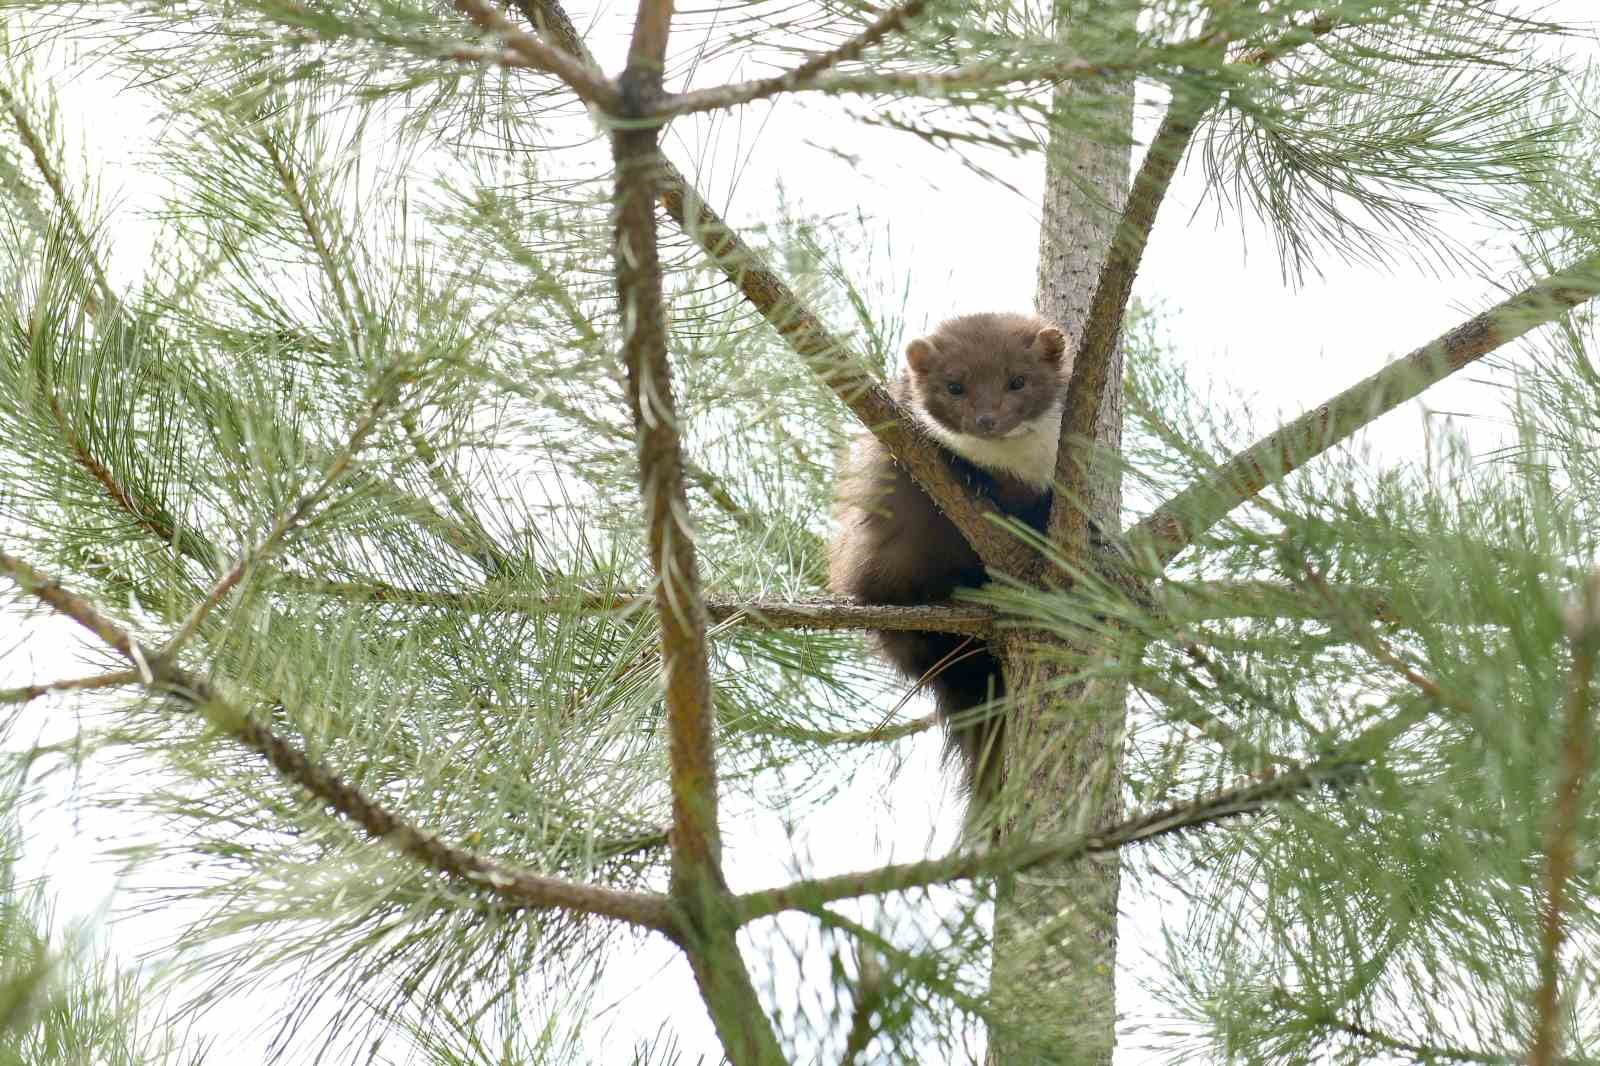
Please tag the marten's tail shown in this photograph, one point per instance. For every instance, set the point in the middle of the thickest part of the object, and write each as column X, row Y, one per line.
column 967, row 686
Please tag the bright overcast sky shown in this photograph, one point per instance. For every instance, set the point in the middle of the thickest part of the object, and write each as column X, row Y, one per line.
column 958, row 244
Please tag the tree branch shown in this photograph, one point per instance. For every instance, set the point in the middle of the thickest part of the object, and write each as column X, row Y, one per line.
column 26, row 693
column 300, row 511
column 876, row 735
column 104, row 298
column 590, row 85
column 1175, row 524
column 1561, row 844
column 830, row 359
column 804, row 76
column 649, row 910
column 1012, row 858
column 1069, row 525
column 765, row 614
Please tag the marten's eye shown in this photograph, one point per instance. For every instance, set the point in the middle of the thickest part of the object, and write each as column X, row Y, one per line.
column 1016, row 383
column 954, row 388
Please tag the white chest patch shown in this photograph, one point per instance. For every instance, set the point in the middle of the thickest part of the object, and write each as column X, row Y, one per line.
column 1027, row 454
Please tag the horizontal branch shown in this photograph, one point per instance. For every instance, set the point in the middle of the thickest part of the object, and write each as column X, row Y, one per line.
column 1175, row 524
column 517, row 886
column 876, row 735
column 26, row 693
column 767, row 614
column 1011, row 858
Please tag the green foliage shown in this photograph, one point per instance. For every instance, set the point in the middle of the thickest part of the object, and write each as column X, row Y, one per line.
column 373, row 360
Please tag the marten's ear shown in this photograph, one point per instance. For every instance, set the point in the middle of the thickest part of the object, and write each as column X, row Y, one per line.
column 919, row 355
column 1052, row 343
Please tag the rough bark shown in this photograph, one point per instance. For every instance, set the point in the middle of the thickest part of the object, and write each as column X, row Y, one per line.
column 1052, row 988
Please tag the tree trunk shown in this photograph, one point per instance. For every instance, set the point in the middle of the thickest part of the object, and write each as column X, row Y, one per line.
column 1053, row 990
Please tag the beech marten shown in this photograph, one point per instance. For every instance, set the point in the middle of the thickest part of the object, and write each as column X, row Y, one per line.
column 988, row 388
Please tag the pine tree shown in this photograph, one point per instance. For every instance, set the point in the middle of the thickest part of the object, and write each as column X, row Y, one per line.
column 445, row 502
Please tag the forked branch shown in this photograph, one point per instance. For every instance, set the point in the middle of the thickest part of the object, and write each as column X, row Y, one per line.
column 1069, row 525
column 1176, row 524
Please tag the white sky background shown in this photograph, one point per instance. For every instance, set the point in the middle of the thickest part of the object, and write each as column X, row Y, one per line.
column 964, row 244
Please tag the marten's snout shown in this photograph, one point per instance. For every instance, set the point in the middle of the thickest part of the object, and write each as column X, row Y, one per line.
column 986, row 423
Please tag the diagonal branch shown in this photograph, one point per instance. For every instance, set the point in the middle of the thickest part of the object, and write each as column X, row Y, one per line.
column 1179, row 521
column 514, row 885
column 300, row 511
column 804, row 76
column 580, row 74
column 826, row 355
column 1069, row 524
column 103, row 298
column 1561, row 843
column 1011, row 858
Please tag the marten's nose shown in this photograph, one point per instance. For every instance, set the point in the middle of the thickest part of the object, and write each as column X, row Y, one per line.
column 986, row 422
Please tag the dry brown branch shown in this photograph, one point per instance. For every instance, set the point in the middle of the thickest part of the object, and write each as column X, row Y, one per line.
column 804, row 76
column 1561, row 842
column 1010, row 858
column 584, row 78
column 1175, row 524
column 511, row 884
column 114, row 679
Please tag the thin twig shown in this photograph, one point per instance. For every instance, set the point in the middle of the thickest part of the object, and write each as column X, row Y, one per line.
column 1561, row 843
column 298, row 513
column 516, row 886
column 1177, row 522
column 878, row 734
column 804, row 76
column 72, row 684
column 986, row 75
column 1379, row 648
column 29, row 135
column 966, row 865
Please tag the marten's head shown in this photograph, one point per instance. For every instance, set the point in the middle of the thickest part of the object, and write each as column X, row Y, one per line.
column 989, row 376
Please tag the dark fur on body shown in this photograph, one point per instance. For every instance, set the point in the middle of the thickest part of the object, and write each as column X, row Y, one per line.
column 893, row 546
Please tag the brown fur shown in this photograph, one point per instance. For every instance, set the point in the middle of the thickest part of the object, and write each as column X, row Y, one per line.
column 894, row 547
